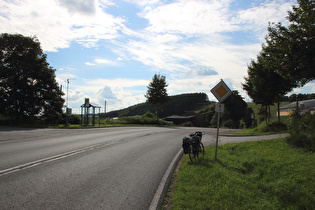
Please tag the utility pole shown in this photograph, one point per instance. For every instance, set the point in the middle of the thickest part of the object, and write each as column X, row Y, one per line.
column 67, row 103
column 68, row 110
column 105, row 108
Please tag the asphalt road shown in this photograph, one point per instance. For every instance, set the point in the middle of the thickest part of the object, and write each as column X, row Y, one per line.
column 103, row 168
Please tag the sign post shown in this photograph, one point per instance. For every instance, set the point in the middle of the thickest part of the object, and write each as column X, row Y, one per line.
column 221, row 91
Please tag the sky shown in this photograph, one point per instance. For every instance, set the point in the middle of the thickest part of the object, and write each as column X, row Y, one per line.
column 109, row 50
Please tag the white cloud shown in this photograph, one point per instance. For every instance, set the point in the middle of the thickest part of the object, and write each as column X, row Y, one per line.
column 89, row 64
column 117, row 83
column 118, row 93
column 55, row 26
column 79, row 6
column 193, row 17
column 76, row 98
column 143, row 3
column 189, row 40
column 257, row 18
column 100, row 61
column 106, row 93
column 166, row 38
column 187, row 36
column 309, row 88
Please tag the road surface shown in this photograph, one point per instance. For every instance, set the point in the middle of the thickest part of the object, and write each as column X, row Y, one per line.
column 99, row 168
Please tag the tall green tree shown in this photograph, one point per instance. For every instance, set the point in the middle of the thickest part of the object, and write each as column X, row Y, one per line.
column 235, row 109
column 293, row 47
column 157, row 93
column 27, row 83
column 286, row 60
column 263, row 84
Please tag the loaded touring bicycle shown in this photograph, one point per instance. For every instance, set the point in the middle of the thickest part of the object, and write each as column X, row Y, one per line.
column 193, row 145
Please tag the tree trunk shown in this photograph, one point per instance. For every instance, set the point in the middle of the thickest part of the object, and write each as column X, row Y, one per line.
column 269, row 114
column 278, row 112
column 266, row 114
column 157, row 113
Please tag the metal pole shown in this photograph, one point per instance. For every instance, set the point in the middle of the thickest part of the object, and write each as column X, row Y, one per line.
column 67, row 103
column 216, row 144
column 67, row 92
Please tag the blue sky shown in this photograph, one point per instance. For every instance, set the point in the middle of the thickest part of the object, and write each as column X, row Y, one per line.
column 110, row 49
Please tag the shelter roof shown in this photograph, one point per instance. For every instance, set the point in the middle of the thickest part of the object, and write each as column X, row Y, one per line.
column 89, row 105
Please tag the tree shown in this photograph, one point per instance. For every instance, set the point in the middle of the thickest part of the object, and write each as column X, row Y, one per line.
column 27, row 83
column 156, row 93
column 249, row 118
column 286, row 60
column 293, row 47
column 235, row 109
column 264, row 85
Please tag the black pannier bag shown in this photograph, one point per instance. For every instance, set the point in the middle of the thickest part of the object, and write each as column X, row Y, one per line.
column 195, row 141
column 186, row 146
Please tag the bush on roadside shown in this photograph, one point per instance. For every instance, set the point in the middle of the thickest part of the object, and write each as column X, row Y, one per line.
column 75, row 119
column 146, row 119
column 137, row 120
column 301, row 128
column 276, row 127
column 149, row 114
column 272, row 127
column 187, row 124
column 55, row 119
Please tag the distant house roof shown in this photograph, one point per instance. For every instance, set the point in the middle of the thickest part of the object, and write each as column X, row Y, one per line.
column 302, row 104
column 305, row 106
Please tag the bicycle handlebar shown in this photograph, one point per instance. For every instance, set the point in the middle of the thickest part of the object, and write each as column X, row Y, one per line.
column 198, row 132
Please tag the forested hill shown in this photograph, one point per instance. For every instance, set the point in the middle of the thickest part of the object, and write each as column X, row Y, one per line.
column 177, row 105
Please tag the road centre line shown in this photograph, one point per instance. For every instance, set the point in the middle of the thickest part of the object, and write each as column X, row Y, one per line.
column 55, row 157
column 66, row 154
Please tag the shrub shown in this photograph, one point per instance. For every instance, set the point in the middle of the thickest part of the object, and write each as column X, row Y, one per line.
column 301, row 128
column 55, row 119
column 187, row 124
column 227, row 124
column 148, row 114
column 140, row 120
column 75, row 119
column 276, row 127
column 273, row 127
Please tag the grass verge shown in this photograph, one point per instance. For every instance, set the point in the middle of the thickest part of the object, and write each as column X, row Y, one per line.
column 263, row 129
column 254, row 175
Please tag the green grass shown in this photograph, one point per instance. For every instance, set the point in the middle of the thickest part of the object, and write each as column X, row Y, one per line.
column 263, row 129
column 255, row 175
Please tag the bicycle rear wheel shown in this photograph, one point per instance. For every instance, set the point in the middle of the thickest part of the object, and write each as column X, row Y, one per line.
column 201, row 150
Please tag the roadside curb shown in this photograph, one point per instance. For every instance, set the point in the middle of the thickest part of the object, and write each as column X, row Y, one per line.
column 157, row 201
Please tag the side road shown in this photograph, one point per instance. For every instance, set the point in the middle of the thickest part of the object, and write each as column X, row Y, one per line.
column 160, row 194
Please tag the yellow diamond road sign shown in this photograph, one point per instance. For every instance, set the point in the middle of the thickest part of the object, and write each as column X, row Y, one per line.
column 221, row 91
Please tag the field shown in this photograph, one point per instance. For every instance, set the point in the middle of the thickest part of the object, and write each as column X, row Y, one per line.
column 266, row 174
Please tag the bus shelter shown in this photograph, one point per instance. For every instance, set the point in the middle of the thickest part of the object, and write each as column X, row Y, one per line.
column 90, row 113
